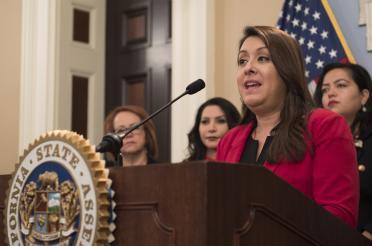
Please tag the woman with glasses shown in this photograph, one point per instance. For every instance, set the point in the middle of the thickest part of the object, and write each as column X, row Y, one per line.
column 140, row 146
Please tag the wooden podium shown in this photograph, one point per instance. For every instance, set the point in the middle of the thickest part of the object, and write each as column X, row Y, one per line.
column 216, row 204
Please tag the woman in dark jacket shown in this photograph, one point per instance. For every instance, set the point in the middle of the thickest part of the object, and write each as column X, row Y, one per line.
column 346, row 89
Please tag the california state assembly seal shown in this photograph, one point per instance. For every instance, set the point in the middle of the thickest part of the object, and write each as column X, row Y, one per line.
column 58, row 194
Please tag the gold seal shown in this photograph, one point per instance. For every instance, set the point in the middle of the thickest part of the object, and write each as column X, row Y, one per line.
column 58, row 194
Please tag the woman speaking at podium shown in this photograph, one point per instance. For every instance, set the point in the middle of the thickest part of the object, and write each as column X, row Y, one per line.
column 311, row 149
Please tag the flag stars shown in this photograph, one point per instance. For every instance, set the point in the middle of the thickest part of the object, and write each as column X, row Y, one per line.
column 306, row 11
column 310, row 45
column 298, row 7
column 322, row 49
column 319, row 64
column 316, row 15
column 313, row 30
column 324, row 34
column 295, row 22
column 308, row 23
column 304, row 26
column 301, row 41
column 333, row 53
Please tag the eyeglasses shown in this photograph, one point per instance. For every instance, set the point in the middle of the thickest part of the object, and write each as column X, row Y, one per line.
column 125, row 129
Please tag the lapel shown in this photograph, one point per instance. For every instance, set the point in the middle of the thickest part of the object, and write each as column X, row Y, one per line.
column 238, row 144
column 271, row 167
column 367, row 133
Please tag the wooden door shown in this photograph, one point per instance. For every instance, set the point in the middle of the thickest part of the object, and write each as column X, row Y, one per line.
column 138, row 60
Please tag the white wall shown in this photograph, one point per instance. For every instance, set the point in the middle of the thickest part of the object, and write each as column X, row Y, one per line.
column 10, row 58
column 347, row 15
column 231, row 18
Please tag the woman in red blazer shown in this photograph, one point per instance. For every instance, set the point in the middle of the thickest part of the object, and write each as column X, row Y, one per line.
column 309, row 148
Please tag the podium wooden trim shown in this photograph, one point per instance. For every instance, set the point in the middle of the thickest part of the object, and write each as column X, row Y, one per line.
column 211, row 203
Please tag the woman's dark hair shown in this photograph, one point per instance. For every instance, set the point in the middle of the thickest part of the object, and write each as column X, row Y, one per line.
column 363, row 80
column 149, row 127
column 196, row 148
column 289, row 141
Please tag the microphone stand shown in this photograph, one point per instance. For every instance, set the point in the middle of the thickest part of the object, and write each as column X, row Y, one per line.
column 151, row 116
column 131, row 129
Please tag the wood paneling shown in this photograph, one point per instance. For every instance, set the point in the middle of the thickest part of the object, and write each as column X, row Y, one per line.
column 81, row 25
column 79, row 105
column 134, row 90
column 135, row 23
column 138, row 49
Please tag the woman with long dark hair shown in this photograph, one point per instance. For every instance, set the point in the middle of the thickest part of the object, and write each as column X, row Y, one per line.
column 346, row 89
column 213, row 119
column 311, row 149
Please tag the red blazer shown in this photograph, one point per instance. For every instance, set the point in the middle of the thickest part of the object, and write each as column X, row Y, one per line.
column 329, row 176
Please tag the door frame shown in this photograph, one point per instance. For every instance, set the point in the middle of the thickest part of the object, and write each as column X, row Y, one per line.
column 47, row 67
column 192, row 58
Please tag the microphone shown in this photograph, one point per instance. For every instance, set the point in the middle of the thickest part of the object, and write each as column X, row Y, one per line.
column 194, row 87
column 112, row 142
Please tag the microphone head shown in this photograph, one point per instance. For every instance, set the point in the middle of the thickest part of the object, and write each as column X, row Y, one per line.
column 110, row 143
column 195, row 86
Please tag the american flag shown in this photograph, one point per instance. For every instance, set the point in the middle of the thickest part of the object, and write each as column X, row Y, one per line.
column 315, row 27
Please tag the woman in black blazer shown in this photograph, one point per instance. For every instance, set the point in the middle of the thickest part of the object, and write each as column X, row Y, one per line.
column 346, row 89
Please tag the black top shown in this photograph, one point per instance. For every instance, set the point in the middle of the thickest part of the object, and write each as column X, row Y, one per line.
column 364, row 154
column 250, row 151
column 110, row 162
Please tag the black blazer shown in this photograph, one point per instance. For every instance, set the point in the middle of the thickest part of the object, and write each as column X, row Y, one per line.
column 364, row 154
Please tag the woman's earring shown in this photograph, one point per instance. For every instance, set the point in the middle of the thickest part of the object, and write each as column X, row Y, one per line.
column 364, row 109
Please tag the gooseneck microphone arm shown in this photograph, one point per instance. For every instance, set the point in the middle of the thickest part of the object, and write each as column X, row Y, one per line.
column 112, row 142
column 125, row 133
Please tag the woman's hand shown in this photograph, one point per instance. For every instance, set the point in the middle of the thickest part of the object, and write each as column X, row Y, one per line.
column 367, row 234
